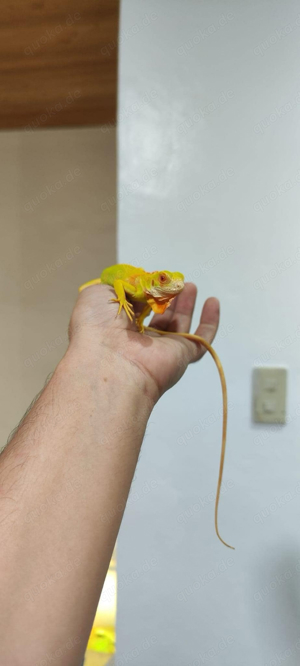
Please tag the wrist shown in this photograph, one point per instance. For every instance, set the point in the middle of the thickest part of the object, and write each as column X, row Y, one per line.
column 110, row 400
column 102, row 369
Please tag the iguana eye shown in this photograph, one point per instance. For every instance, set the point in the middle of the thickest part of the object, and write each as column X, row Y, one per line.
column 162, row 278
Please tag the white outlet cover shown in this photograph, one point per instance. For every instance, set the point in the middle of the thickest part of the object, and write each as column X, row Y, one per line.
column 269, row 394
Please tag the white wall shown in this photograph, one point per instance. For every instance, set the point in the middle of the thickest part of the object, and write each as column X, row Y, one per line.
column 209, row 184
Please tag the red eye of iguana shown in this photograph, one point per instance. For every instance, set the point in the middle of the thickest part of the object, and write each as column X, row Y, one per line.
column 162, row 278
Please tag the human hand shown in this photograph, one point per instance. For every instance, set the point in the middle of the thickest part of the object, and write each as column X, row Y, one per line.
column 157, row 362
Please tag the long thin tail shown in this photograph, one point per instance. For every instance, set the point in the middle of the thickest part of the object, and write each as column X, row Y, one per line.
column 210, row 349
column 89, row 284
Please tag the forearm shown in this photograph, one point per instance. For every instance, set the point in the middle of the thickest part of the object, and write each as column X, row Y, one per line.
column 64, row 481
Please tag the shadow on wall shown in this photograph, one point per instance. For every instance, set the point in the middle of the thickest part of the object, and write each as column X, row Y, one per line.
column 277, row 605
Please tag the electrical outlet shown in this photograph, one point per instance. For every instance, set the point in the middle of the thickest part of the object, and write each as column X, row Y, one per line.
column 269, row 395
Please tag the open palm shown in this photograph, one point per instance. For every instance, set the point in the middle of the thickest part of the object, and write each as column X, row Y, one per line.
column 161, row 359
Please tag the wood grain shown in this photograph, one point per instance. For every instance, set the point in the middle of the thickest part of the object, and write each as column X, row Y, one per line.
column 58, row 62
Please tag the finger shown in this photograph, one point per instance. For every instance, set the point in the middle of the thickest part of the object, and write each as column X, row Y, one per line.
column 184, row 308
column 208, row 326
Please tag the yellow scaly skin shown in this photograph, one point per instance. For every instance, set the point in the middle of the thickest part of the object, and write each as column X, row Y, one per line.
column 157, row 290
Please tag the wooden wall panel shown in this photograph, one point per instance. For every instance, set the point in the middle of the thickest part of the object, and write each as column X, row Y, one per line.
column 58, row 62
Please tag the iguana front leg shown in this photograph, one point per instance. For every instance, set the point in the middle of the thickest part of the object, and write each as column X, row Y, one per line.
column 140, row 319
column 121, row 288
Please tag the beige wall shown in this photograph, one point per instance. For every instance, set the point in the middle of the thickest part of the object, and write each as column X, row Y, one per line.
column 58, row 209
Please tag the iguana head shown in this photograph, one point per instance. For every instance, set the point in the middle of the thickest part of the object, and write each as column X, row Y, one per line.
column 164, row 285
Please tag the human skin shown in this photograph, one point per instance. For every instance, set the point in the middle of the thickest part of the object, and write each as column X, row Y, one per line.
column 66, row 474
